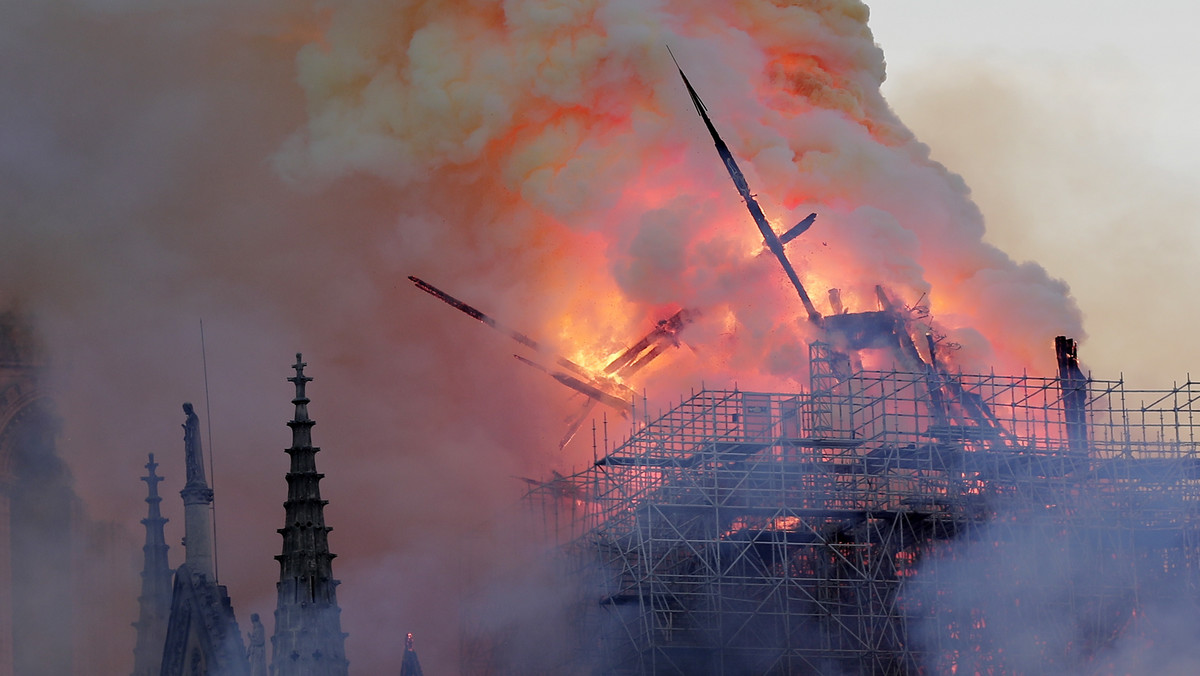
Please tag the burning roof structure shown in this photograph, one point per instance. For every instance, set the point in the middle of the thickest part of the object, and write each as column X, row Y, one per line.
column 883, row 523
column 912, row 520
column 899, row 515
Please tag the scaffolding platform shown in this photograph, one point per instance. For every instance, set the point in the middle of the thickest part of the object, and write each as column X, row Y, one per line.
column 858, row 527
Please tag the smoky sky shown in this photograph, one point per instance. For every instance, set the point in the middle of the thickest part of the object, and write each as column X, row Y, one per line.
column 1048, row 151
column 139, row 200
column 276, row 170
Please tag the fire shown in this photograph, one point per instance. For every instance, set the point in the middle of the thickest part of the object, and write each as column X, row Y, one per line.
column 575, row 181
column 605, row 323
column 777, row 523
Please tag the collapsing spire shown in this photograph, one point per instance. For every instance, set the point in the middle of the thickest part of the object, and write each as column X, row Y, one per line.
column 773, row 241
column 308, row 638
column 155, row 601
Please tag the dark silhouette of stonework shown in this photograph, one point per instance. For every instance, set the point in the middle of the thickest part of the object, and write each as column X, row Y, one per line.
column 38, row 518
column 202, row 637
column 411, row 666
column 155, row 602
column 193, row 448
column 197, row 500
column 308, row 639
column 257, row 651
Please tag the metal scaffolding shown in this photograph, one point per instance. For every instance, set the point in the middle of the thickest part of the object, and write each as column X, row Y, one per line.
column 888, row 523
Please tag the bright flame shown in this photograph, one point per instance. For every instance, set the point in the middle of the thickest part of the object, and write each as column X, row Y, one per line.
column 559, row 147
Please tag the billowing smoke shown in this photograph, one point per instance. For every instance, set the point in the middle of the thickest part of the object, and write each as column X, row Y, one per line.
column 1043, row 593
column 564, row 139
column 540, row 159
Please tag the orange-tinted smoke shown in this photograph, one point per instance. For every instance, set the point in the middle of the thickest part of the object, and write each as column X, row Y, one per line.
column 585, row 190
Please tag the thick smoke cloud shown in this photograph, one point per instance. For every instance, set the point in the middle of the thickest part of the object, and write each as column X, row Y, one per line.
column 575, row 111
column 277, row 170
column 1044, row 592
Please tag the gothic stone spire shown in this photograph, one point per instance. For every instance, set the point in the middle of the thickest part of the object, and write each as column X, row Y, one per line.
column 155, row 602
column 308, row 638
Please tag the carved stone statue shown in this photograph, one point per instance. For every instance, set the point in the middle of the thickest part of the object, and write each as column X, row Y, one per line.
column 257, row 652
column 192, row 447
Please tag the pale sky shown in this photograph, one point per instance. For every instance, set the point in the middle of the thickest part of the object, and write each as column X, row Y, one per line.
column 1075, row 126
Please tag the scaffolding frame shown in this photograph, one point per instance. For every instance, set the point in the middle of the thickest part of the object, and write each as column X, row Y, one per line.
column 825, row 532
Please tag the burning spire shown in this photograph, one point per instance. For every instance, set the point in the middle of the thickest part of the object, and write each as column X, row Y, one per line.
column 773, row 241
column 308, row 638
column 887, row 327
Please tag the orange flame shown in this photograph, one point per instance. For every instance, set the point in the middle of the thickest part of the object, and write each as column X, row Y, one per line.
column 578, row 185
